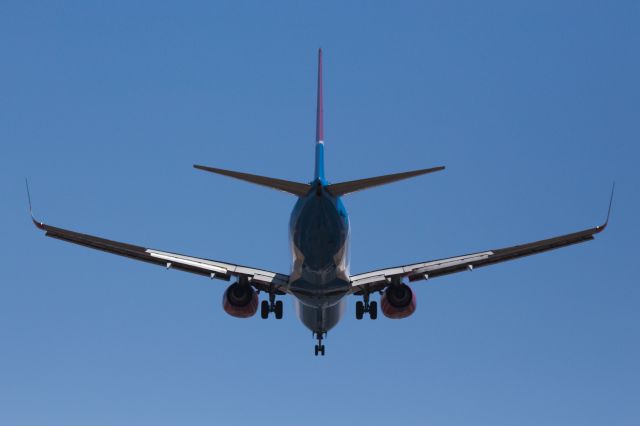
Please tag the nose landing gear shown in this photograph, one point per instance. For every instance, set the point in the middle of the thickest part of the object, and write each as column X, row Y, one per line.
column 365, row 306
column 319, row 348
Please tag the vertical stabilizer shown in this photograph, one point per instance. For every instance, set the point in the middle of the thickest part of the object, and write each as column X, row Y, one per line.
column 319, row 170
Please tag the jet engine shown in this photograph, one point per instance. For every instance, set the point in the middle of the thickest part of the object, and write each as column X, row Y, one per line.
column 398, row 301
column 240, row 300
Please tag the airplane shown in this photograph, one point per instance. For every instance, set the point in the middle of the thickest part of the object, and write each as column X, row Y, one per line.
column 319, row 233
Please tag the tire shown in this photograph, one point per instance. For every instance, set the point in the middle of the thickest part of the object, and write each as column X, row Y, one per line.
column 359, row 310
column 279, row 309
column 322, row 350
column 317, row 350
column 264, row 309
column 373, row 310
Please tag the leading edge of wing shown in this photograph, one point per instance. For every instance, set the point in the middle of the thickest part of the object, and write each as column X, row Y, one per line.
column 435, row 268
column 206, row 267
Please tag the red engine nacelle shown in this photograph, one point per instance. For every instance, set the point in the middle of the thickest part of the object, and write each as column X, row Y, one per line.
column 240, row 301
column 398, row 301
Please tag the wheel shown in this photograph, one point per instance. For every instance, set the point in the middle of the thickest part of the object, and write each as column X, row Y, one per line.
column 322, row 350
column 264, row 309
column 373, row 310
column 279, row 309
column 359, row 310
column 317, row 348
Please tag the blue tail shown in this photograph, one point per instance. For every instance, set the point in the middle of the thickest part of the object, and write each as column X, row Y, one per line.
column 319, row 171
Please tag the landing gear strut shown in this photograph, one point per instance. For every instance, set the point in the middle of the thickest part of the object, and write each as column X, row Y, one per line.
column 271, row 306
column 319, row 349
column 365, row 306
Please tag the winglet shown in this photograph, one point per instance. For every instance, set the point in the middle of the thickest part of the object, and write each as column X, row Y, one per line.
column 39, row 225
column 606, row 222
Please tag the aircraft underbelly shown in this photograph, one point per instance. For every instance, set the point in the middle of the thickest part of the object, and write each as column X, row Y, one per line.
column 319, row 238
column 320, row 319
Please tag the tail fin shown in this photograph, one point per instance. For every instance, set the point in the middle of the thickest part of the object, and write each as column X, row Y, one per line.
column 338, row 189
column 319, row 170
column 295, row 188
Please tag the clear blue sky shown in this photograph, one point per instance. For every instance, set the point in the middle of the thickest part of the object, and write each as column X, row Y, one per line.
column 534, row 107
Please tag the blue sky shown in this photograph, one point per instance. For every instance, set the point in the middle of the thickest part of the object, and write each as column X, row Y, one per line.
column 533, row 107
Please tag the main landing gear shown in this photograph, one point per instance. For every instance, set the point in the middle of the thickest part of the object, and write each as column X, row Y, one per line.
column 319, row 349
column 365, row 306
column 271, row 306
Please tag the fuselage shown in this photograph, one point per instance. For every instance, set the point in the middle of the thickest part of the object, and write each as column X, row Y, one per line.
column 319, row 241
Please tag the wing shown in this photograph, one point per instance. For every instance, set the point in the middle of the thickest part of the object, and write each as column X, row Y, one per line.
column 260, row 279
column 377, row 280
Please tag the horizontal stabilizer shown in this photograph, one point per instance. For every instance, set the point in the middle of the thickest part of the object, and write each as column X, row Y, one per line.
column 343, row 188
column 295, row 188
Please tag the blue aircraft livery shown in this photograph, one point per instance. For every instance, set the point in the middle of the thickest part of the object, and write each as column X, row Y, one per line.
column 319, row 280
